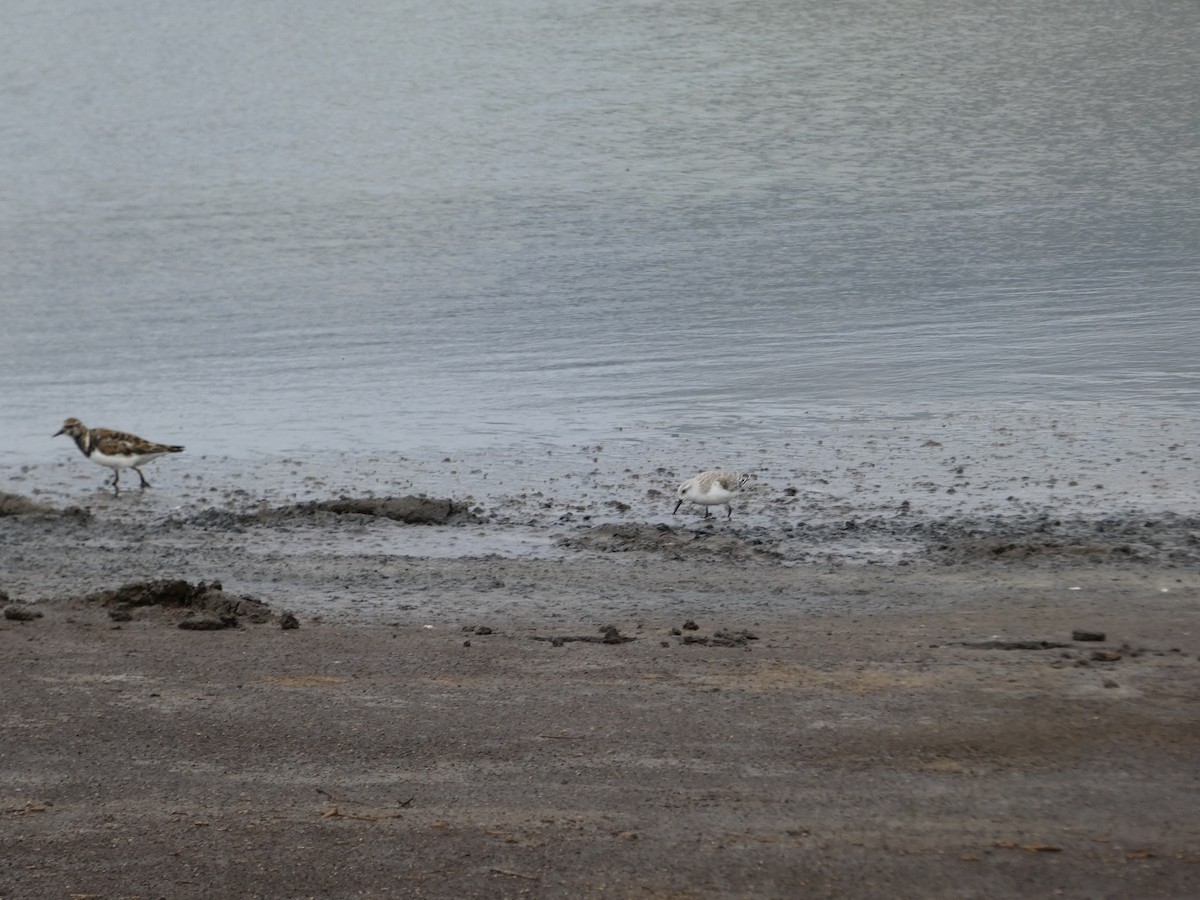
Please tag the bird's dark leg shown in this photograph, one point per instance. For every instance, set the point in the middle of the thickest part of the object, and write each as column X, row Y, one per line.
column 116, row 481
column 707, row 513
column 145, row 483
column 730, row 511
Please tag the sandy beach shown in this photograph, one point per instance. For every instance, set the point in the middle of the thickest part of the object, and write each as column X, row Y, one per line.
column 436, row 306
column 650, row 711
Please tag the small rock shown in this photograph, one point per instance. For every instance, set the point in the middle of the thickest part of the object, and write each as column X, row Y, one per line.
column 1109, row 683
column 689, row 625
column 483, row 629
column 120, row 615
column 21, row 614
column 1105, row 655
column 288, row 621
column 466, row 643
column 1081, row 635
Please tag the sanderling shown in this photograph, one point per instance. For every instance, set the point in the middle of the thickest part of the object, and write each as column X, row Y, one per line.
column 115, row 449
column 711, row 489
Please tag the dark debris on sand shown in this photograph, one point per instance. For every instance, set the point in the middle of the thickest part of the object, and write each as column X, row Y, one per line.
column 721, row 638
column 18, row 505
column 410, row 510
column 206, row 606
column 609, row 634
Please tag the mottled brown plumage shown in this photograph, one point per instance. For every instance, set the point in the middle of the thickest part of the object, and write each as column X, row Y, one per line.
column 115, row 449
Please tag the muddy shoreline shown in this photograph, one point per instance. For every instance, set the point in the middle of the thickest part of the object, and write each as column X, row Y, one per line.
column 786, row 712
column 397, row 559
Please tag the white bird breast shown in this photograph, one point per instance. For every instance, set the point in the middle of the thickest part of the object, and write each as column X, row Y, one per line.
column 714, row 496
column 122, row 462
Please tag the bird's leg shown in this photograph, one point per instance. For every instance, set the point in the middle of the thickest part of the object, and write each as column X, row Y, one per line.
column 729, row 509
column 145, row 483
column 707, row 513
column 116, row 481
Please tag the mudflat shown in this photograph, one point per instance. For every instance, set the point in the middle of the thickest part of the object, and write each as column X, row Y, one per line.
column 648, row 712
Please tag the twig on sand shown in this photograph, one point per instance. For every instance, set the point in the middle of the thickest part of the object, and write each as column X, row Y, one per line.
column 335, row 813
column 534, row 877
column 29, row 807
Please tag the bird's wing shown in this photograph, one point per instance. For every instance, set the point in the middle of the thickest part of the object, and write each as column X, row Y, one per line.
column 120, row 443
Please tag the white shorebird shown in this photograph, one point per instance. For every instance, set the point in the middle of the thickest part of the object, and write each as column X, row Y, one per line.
column 711, row 489
column 115, row 449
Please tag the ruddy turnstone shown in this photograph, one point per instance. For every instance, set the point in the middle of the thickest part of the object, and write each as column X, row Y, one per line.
column 711, row 489
column 115, row 449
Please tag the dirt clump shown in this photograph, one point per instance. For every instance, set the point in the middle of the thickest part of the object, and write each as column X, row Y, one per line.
column 206, row 605
column 409, row 509
column 18, row 505
column 640, row 537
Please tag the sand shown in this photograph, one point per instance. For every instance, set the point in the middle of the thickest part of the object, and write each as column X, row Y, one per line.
column 890, row 707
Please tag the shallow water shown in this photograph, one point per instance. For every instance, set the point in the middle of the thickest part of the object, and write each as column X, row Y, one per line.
column 372, row 238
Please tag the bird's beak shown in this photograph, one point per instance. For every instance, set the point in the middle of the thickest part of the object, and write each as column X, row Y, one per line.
column 677, row 505
column 57, row 433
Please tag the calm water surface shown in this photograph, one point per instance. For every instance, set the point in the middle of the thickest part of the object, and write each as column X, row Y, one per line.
column 295, row 228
